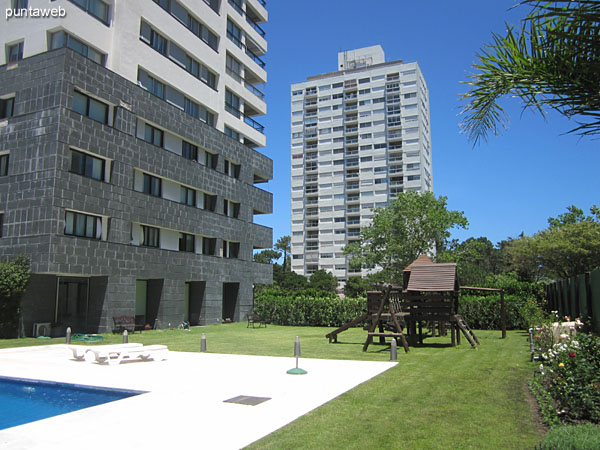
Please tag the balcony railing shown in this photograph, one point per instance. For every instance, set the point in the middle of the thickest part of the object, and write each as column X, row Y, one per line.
column 243, row 46
column 247, row 119
column 238, row 7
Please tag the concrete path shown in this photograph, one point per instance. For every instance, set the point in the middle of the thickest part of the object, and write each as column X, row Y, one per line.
column 184, row 406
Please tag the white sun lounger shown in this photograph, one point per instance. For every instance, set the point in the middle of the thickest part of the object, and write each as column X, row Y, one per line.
column 79, row 351
column 117, row 355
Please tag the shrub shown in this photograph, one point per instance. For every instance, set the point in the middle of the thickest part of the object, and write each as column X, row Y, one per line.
column 572, row 437
column 14, row 276
column 570, row 374
column 484, row 312
column 308, row 307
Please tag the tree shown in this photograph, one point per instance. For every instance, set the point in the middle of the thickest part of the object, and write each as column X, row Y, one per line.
column 476, row 259
column 284, row 244
column 570, row 250
column 552, row 61
column 14, row 276
column 356, row 286
column 286, row 279
column 411, row 225
column 569, row 246
column 267, row 256
column 323, row 280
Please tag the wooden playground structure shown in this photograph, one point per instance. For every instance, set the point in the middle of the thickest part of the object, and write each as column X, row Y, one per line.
column 428, row 297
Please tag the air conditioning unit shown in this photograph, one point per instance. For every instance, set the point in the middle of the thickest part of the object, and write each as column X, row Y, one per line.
column 42, row 329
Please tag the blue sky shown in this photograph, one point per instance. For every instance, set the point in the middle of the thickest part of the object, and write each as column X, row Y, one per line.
column 510, row 185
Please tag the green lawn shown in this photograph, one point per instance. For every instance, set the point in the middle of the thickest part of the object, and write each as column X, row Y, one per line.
column 436, row 397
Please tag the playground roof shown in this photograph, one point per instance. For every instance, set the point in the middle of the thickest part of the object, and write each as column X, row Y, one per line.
column 433, row 278
column 423, row 259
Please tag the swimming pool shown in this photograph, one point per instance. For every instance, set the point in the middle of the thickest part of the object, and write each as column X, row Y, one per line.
column 23, row 401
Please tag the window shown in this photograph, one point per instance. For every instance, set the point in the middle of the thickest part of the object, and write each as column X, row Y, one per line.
column 189, row 151
column 83, row 225
column 231, row 249
column 191, row 23
column 151, row 84
column 90, row 107
column 158, row 42
column 199, row 112
column 234, row 34
column 232, row 169
column 95, row 8
column 152, row 185
column 232, row 103
column 20, row 4
column 210, row 202
column 1, row 223
column 62, row 39
column 231, row 208
column 187, row 242
column 153, row 135
column 14, row 52
column 232, row 133
column 6, row 107
column 150, row 236
column 209, row 246
column 4, row 164
column 87, row 165
column 188, row 196
column 234, row 68
column 210, row 160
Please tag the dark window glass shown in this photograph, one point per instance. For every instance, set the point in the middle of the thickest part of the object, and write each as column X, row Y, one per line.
column 158, row 42
column 150, row 236
column 90, row 107
column 187, row 242
column 14, row 52
column 4, row 165
column 83, row 225
column 189, row 151
column 153, row 135
column 87, row 165
column 210, row 202
column 1, row 224
column 6, row 107
column 152, row 185
column 95, row 8
column 211, row 160
column 188, row 196
column 209, row 246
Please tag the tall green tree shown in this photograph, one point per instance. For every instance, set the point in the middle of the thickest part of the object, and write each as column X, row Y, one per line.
column 267, row 256
column 476, row 259
column 551, row 61
column 284, row 245
column 323, row 280
column 411, row 225
column 569, row 246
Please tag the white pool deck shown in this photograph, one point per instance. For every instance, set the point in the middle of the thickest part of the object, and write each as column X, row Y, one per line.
column 184, row 406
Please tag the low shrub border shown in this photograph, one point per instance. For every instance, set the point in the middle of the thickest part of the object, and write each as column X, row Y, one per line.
column 307, row 307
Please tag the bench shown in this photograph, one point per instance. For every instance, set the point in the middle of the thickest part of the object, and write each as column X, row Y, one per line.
column 254, row 318
column 129, row 323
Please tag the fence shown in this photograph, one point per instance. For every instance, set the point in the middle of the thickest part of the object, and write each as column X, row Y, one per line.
column 578, row 296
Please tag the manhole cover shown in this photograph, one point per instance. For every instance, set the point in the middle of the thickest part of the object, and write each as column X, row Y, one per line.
column 247, row 400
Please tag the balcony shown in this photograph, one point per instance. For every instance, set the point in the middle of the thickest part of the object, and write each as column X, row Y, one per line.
column 247, row 119
column 243, row 46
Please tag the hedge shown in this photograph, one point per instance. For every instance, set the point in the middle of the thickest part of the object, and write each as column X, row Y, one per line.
column 483, row 312
column 308, row 307
column 312, row 307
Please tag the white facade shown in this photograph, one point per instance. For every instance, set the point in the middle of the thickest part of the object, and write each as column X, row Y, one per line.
column 206, row 51
column 359, row 136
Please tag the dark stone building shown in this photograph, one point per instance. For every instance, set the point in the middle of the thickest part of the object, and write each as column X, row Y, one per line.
column 125, row 204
